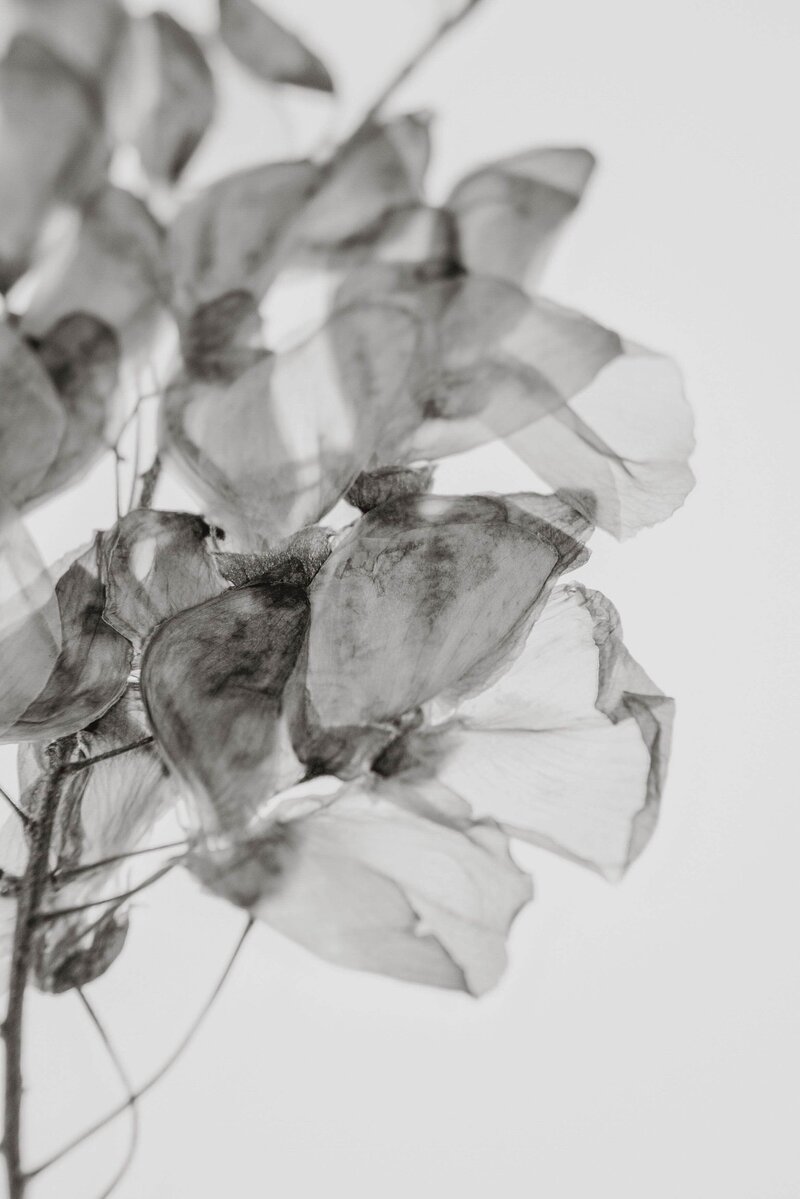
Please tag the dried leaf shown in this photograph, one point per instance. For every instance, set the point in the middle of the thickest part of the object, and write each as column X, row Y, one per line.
column 267, row 48
column 508, row 213
column 367, row 880
column 213, row 680
column 425, row 596
column 569, row 749
column 91, row 670
column 52, row 146
column 156, row 564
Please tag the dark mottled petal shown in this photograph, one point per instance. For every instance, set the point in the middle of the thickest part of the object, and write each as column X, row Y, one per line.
column 52, row 146
column 183, row 104
column 92, row 667
column 374, row 881
column 569, row 749
column 30, row 622
column 213, row 680
column 295, row 560
column 626, row 438
column 276, row 448
column 508, row 213
column 81, row 355
column 113, row 270
column 156, row 564
column 107, row 810
column 425, row 596
column 376, row 487
column 268, row 49
column 32, row 418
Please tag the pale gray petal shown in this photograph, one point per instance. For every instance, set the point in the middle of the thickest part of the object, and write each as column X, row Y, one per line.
column 369, row 882
column 269, row 49
column 509, row 213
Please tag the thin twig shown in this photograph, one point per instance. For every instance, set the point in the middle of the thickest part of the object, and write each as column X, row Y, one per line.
column 127, row 1086
column 56, row 913
column 439, row 33
column 85, row 763
column 159, row 1074
column 29, row 898
column 87, row 867
column 149, row 481
column 24, row 817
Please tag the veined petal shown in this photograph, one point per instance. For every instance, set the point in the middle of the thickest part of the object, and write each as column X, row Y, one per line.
column 569, row 749
column 91, row 670
column 156, row 564
column 626, row 438
column 213, row 680
column 508, row 213
column 368, row 881
column 425, row 596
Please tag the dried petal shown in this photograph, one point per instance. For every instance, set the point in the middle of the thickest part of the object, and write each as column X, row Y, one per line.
column 114, row 271
column 51, row 146
column 267, row 48
column 183, row 104
column 276, row 448
column 242, row 231
column 92, row 668
column 32, row 419
column 30, row 623
column 508, row 213
column 423, row 597
column 569, row 749
column 81, row 355
column 373, row 488
column 156, row 564
column 626, row 438
column 368, row 881
column 213, row 680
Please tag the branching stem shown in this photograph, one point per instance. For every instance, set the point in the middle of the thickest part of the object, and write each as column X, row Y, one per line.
column 29, row 897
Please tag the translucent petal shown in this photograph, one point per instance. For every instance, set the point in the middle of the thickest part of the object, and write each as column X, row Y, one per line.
column 213, row 680
column 508, row 213
column 51, row 146
column 425, row 595
column 626, row 438
column 182, row 105
column 156, row 564
column 268, row 49
column 113, row 270
column 84, row 33
column 32, row 418
column 275, row 448
column 569, row 749
column 369, row 882
column 30, row 623
column 92, row 667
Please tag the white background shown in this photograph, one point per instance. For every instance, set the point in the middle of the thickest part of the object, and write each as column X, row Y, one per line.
column 644, row 1043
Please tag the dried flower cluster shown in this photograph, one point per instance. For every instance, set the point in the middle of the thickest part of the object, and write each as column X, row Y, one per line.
column 229, row 667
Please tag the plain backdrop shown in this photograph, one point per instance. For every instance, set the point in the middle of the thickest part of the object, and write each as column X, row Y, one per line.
column 644, row 1043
